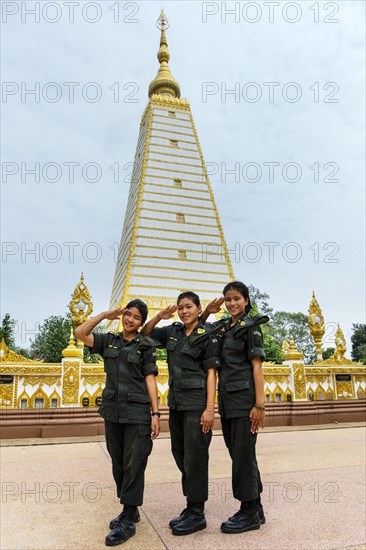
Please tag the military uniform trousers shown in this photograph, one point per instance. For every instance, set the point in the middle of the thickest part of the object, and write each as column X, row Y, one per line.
column 129, row 446
column 246, row 479
column 190, row 450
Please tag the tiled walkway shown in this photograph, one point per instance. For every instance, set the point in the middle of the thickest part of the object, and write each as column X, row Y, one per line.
column 61, row 495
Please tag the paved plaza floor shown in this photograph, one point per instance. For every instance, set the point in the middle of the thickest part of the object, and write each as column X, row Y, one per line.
column 60, row 494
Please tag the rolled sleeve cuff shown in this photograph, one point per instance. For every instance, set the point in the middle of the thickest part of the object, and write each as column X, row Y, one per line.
column 211, row 363
column 256, row 352
column 150, row 368
column 98, row 344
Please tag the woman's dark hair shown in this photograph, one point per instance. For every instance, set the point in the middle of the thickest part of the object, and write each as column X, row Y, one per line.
column 243, row 289
column 191, row 296
column 141, row 306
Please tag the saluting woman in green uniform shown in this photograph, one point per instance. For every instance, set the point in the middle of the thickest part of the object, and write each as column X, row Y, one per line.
column 192, row 363
column 129, row 407
column 241, row 400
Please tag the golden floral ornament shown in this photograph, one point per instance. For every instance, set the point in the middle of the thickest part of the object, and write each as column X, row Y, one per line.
column 201, row 331
column 81, row 305
column 316, row 319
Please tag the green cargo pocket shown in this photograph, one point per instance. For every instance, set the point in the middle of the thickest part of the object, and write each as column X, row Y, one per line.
column 111, row 360
column 238, row 386
column 108, row 408
column 134, row 357
column 139, row 407
column 108, row 393
column 171, row 345
column 192, row 352
column 192, row 384
column 234, row 344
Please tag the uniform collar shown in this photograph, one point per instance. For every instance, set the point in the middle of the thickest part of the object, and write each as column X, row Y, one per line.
column 136, row 338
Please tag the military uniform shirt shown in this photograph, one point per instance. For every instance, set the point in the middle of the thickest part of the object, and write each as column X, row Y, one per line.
column 239, row 345
column 125, row 398
column 189, row 358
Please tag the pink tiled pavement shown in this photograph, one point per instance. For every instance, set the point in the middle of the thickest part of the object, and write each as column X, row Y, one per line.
column 61, row 496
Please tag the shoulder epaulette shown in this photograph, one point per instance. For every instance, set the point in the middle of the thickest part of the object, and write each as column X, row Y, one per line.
column 146, row 342
column 248, row 322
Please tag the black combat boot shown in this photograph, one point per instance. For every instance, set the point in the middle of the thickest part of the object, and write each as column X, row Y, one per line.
column 181, row 517
column 114, row 522
column 125, row 528
column 246, row 519
column 193, row 521
column 260, row 511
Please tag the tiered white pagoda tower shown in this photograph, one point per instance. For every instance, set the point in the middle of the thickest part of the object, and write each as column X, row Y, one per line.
column 172, row 238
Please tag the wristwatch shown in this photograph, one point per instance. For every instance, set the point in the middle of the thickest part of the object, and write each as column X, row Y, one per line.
column 156, row 414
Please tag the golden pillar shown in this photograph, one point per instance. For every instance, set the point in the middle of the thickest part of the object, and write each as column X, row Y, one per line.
column 316, row 325
column 80, row 306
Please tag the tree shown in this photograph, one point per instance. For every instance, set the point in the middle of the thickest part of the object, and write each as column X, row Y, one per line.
column 7, row 331
column 93, row 357
column 358, row 340
column 285, row 324
column 328, row 352
column 161, row 354
column 52, row 338
column 260, row 300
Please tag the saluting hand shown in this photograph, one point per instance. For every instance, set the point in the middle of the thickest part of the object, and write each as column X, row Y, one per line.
column 215, row 305
column 168, row 312
column 256, row 420
column 207, row 420
column 155, row 427
column 114, row 313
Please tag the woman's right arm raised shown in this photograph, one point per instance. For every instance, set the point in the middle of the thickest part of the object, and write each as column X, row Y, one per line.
column 84, row 331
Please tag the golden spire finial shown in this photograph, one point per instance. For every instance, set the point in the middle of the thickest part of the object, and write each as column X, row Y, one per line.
column 285, row 346
column 164, row 82
column 81, row 305
column 292, row 347
column 340, row 342
column 72, row 350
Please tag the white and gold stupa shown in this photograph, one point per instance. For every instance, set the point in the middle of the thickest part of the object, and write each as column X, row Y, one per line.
column 172, row 238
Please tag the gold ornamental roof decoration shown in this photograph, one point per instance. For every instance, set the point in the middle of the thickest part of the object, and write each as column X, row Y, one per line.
column 338, row 357
column 9, row 356
column 316, row 319
column 164, row 82
column 81, row 305
column 285, row 346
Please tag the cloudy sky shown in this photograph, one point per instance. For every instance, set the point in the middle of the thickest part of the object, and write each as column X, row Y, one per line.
column 277, row 93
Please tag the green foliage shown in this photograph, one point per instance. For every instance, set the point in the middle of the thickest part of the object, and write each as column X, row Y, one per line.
column 161, row 354
column 23, row 351
column 272, row 349
column 328, row 352
column 358, row 340
column 93, row 357
column 7, row 331
column 52, row 338
column 284, row 324
column 260, row 301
